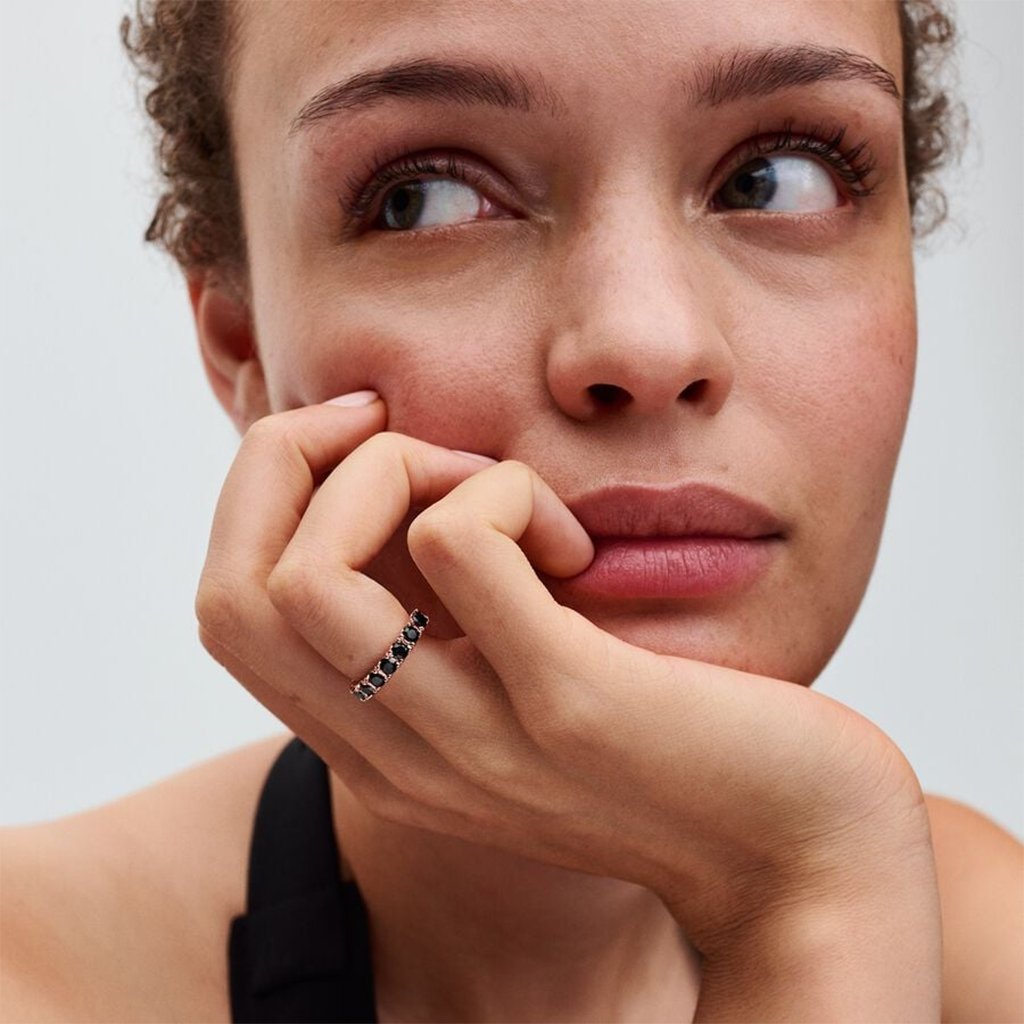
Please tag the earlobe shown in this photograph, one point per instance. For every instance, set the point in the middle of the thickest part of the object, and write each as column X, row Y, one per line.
column 227, row 345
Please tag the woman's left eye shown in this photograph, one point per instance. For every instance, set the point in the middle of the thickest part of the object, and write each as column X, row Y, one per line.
column 784, row 182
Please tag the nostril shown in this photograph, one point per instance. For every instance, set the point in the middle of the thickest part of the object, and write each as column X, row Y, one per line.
column 608, row 396
column 694, row 392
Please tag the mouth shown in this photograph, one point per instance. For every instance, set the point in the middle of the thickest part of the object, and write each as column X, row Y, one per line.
column 688, row 541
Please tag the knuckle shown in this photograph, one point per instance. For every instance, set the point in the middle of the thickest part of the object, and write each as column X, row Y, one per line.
column 426, row 788
column 383, row 447
column 385, row 440
column 421, row 785
column 403, row 779
column 572, row 713
column 569, row 722
column 433, row 536
column 295, row 590
column 214, row 648
column 218, row 610
column 269, row 431
column 519, row 478
column 518, row 470
column 499, row 771
column 279, row 439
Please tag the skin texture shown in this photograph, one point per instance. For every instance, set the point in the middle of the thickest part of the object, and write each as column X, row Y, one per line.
column 769, row 353
column 804, row 331
column 525, row 737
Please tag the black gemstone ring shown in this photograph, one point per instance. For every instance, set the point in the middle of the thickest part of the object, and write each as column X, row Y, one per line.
column 387, row 666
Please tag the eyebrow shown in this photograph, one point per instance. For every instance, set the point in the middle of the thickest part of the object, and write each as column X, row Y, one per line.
column 733, row 76
column 462, row 81
column 760, row 72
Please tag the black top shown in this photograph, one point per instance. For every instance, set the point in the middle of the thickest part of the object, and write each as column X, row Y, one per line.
column 301, row 952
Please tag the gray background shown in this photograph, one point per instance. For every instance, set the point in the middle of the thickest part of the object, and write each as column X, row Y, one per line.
column 114, row 452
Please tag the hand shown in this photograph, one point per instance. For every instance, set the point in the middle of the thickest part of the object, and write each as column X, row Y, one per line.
column 727, row 793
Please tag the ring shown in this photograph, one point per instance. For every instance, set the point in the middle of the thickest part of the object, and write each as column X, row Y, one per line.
column 392, row 658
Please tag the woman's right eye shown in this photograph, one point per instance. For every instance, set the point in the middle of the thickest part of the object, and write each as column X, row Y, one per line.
column 424, row 204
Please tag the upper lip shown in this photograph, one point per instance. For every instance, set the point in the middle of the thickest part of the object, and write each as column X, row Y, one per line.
column 685, row 510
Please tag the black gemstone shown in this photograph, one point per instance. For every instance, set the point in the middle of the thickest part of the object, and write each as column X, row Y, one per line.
column 399, row 651
column 377, row 679
column 388, row 667
column 364, row 692
column 410, row 634
column 419, row 619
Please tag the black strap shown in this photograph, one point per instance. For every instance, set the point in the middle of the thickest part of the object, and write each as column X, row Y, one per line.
column 301, row 952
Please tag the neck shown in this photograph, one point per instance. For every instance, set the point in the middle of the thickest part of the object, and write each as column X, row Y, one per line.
column 461, row 931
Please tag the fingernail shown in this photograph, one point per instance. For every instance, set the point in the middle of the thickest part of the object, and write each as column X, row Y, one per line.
column 354, row 398
column 473, row 455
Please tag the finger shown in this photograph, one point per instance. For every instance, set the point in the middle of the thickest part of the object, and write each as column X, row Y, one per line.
column 404, row 790
column 460, row 736
column 348, row 617
column 364, row 500
column 298, row 687
column 475, row 548
column 331, row 747
column 282, row 458
column 444, row 691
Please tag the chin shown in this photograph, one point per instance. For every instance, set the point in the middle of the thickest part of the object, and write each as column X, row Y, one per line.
column 697, row 637
column 734, row 637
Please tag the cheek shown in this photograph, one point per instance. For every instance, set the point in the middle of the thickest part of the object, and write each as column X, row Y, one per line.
column 855, row 401
column 445, row 362
column 846, row 415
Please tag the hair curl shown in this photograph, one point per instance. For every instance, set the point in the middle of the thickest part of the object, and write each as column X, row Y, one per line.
column 184, row 50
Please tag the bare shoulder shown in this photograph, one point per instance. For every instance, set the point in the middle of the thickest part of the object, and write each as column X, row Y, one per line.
column 121, row 912
column 981, row 887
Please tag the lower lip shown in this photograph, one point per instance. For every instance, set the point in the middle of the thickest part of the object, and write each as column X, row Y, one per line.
column 673, row 566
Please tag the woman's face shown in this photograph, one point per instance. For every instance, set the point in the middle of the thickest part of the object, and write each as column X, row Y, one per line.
column 613, row 293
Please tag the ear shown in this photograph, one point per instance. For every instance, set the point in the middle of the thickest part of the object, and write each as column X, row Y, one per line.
column 227, row 345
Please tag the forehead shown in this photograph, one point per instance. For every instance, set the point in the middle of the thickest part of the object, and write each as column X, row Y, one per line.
column 286, row 52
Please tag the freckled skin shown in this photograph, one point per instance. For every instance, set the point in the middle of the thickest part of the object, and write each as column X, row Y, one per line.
column 768, row 353
column 602, row 263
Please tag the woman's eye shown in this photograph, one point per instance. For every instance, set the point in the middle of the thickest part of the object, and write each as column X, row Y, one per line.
column 785, row 183
column 422, row 204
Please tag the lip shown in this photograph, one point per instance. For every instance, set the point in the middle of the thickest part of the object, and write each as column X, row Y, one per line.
column 686, row 510
column 688, row 541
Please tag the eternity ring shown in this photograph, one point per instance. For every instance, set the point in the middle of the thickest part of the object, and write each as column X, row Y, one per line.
column 387, row 666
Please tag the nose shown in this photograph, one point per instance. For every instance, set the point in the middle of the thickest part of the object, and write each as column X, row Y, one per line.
column 634, row 328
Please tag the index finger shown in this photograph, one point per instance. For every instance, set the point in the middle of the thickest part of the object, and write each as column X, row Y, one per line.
column 282, row 459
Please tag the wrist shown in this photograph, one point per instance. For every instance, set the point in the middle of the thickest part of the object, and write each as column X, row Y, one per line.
column 870, row 856
column 877, row 957
column 850, row 930
column 846, row 834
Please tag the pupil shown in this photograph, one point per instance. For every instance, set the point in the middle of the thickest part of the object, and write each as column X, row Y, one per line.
column 404, row 205
column 753, row 186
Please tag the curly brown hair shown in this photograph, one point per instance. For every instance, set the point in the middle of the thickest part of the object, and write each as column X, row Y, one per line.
column 184, row 51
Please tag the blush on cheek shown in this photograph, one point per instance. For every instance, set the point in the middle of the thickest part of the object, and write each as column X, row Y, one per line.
column 857, row 392
column 455, row 387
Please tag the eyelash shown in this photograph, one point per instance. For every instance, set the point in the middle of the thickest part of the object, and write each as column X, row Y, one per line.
column 853, row 165
column 408, row 168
